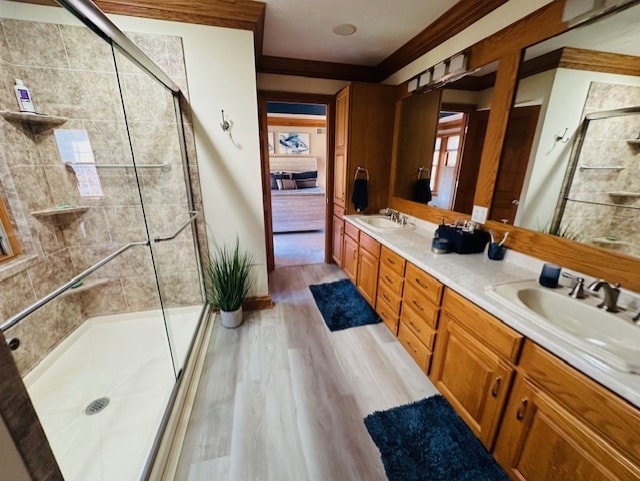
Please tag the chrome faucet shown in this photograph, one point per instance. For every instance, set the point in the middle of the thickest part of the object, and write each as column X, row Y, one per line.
column 577, row 288
column 611, row 293
column 394, row 214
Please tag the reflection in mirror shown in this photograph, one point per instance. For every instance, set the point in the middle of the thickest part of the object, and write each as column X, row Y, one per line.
column 440, row 142
column 592, row 69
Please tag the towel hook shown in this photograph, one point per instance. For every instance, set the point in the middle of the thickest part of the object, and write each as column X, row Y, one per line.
column 421, row 170
column 361, row 170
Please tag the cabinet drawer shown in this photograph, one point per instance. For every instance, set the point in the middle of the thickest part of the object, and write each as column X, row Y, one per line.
column 420, row 354
column 351, row 231
column 388, row 317
column 391, row 279
column 428, row 286
column 369, row 244
column 606, row 413
column 338, row 211
column 497, row 336
column 421, row 306
column 392, row 300
column 421, row 328
column 393, row 261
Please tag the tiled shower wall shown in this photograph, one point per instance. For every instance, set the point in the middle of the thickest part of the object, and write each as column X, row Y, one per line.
column 606, row 145
column 71, row 73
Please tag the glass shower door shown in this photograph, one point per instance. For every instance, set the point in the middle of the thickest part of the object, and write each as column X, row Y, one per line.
column 156, row 143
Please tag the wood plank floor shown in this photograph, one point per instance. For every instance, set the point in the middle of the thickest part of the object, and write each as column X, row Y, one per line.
column 283, row 398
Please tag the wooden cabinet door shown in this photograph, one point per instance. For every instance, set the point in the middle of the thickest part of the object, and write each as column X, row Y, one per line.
column 342, row 118
column 368, row 276
column 474, row 379
column 350, row 258
column 340, row 180
column 540, row 440
column 338, row 239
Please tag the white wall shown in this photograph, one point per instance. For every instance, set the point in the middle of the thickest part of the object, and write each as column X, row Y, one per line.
column 221, row 75
column 564, row 111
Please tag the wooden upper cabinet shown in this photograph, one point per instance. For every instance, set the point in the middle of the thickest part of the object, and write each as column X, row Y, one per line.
column 340, row 181
column 473, row 378
column 541, row 440
column 364, row 138
column 342, row 118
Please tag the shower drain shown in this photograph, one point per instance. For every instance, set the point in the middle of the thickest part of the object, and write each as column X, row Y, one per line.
column 96, row 406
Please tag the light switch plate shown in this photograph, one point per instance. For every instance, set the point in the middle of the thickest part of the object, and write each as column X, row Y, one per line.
column 479, row 214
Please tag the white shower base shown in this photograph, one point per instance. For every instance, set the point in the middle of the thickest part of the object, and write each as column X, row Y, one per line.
column 126, row 358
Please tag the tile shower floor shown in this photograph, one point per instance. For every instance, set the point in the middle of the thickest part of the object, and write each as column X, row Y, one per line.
column 126, row 358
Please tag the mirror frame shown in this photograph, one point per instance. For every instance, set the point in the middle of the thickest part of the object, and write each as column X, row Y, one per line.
column 507, row 47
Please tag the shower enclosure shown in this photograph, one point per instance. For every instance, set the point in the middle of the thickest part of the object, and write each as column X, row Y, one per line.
column 102, row 303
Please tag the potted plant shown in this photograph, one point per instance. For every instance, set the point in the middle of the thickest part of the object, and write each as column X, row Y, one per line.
column 228, row 282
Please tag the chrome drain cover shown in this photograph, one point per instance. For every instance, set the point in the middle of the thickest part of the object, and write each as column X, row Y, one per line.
column 96, row 406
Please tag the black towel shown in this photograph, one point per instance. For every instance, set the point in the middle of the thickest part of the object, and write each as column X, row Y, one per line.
column 422, row 192
column 360, row 198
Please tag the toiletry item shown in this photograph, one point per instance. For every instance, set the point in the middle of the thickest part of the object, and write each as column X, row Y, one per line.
column 24, row 97
column 496, row 251
column 440, row 245
column 462, row 241
column 504, row 239
column 549, row 276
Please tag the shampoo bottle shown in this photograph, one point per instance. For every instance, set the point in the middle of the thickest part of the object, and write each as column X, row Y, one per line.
column 24, row 97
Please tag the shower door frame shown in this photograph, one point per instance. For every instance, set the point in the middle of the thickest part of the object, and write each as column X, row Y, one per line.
column 34, row 459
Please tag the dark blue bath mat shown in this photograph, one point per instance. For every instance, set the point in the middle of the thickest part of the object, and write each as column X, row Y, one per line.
column 342, row 306
column 427, row 441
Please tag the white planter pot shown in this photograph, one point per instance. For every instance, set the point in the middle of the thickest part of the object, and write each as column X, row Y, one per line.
column 231, row 319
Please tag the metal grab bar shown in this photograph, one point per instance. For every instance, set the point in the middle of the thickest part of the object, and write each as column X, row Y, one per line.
column 605, row 204
column 194, row 216
column 164, row 166
column 11, row 322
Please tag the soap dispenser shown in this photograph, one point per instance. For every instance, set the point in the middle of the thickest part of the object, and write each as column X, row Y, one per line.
column 24, row 97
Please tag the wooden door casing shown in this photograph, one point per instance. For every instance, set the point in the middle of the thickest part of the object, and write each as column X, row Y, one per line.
column 337, row 240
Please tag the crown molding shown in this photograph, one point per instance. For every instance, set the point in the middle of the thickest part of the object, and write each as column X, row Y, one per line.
column 316, row 69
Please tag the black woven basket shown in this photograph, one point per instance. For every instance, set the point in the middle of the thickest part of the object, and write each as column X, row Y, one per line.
column 464, row 242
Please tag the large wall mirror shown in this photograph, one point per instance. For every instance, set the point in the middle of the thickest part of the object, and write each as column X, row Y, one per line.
column 570, row 164
column 440, row 137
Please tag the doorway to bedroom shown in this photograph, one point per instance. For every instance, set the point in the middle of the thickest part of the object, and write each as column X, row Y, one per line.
column 295, row 166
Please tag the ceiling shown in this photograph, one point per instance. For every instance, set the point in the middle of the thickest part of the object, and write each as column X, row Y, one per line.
column 294, row 37
column 302, row 29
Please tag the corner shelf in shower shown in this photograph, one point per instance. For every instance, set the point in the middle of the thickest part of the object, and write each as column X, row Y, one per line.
column 88, row 284
column 602, row 167
column 622, row 193
column 57, row 211
column 605, row 241
column 35, row 119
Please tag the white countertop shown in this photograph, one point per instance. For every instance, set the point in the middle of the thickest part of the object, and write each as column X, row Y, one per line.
column 469, row 274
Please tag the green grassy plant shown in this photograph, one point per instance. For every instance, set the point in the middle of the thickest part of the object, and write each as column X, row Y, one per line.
column 228, row 277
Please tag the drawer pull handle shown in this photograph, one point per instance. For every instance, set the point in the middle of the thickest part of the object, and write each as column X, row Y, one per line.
column 421, row 284
column 496, row 386
column 384, row 296
column 522, row 409
column 417, row 305
column 390, row 261
column 388, row 279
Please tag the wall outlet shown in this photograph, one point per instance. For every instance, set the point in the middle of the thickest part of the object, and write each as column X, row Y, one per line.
column 479, row 214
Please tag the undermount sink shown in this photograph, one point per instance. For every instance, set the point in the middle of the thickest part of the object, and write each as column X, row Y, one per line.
column 612, row 339
column 382, row 223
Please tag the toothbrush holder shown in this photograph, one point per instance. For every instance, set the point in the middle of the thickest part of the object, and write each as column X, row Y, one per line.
column 496, row 252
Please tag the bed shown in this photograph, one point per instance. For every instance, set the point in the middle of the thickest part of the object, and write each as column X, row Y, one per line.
column 297, row 204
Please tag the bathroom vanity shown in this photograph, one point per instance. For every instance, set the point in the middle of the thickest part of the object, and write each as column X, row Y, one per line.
column 544, row 409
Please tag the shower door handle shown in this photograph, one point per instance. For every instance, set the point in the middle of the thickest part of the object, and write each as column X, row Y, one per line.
column 194, row 216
